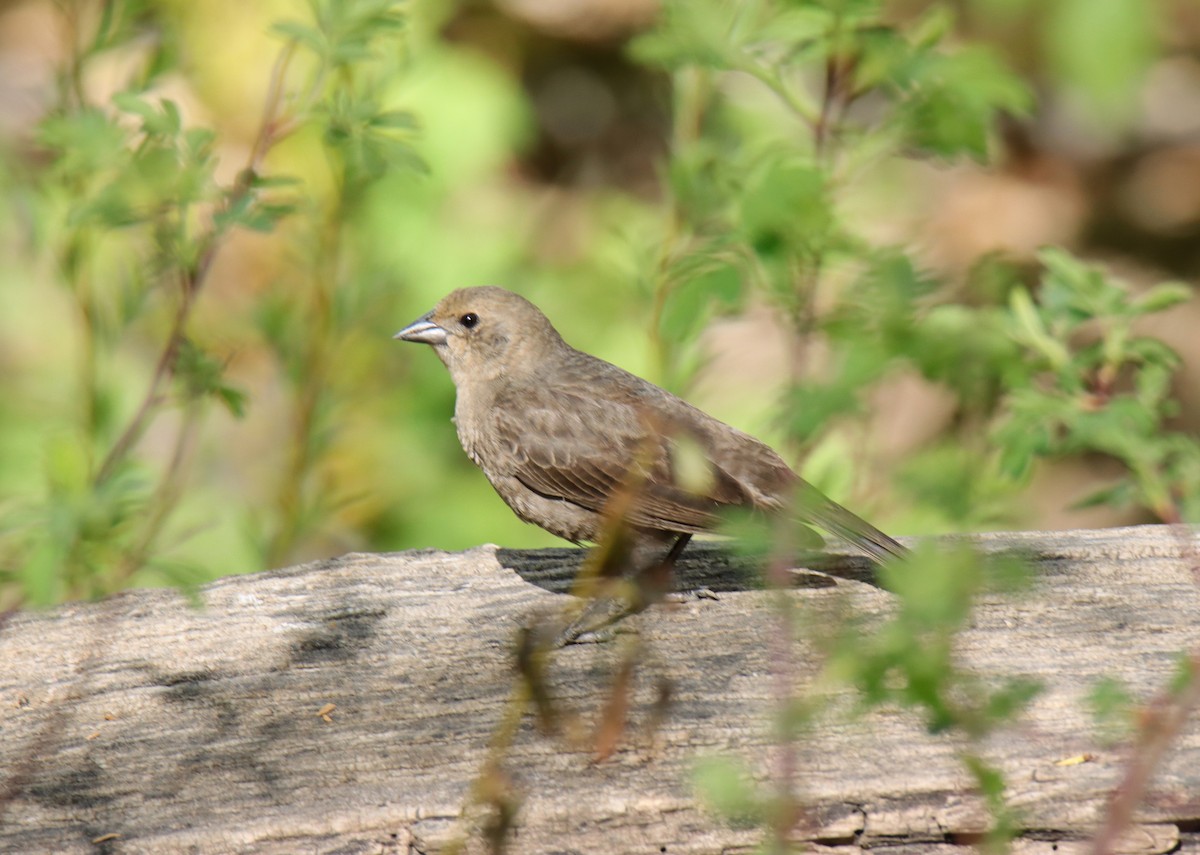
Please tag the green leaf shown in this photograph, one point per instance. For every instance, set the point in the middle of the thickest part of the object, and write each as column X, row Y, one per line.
column 1074, row 292
column 809, row 407
column 1184, row 676
column 296, row 31
column 265, row 182
column 1009, row 701
column 689, row 304
column 949, row 102
column 203, row 376
column 395, row 120
column 796, row 26
column 1112, row 706
column 934, row 587
column 691, row 32
column 128, row 102
column 989, row 779
column 1118, row 495
column 1016, row 460
column 163, row 120
column 932, row 27
column 785, row 202
column 958, row 482
column 264, row 216
column 86, row 143
column 1031, row 331
column 1161, row 297
column 723, row 784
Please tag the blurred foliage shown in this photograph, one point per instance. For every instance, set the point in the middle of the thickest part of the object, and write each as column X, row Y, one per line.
column 1086, row 383
column 1113, row 711
column 1098, row 50
column 762, row 193
column 131, row 209
column 240, row 214
column 907, row 661
column 760, row 177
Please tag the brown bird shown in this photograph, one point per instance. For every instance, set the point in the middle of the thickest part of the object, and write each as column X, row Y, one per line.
column 560, row 434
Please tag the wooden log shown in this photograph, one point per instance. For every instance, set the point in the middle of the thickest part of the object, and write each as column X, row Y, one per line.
column 348, row 706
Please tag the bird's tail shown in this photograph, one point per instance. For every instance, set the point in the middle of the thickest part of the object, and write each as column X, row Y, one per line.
column 819, row 509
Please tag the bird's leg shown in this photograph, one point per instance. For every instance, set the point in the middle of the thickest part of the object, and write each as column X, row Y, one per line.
column 650, row 584
column 654, row 582
column 677, row 549
column 665, row 570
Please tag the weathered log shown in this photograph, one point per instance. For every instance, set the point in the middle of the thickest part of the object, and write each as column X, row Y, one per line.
column 145, row 723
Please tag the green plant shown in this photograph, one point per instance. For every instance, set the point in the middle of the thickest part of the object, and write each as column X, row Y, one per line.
column 783, row 111
column 907, row 661
column 130, row 207
column 356, row 51
column 1087, row 383
column 133, row 215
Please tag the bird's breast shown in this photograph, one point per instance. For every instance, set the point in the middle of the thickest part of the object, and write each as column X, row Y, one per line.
column 467, row 425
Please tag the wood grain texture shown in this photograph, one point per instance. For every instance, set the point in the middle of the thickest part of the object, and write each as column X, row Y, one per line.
column 180, row 728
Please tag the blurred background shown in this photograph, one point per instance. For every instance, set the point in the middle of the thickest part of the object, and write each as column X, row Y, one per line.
column 215, row 215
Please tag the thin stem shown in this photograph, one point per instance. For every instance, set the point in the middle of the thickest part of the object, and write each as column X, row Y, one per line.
column 773, row 80
column 318, row 340
column 136, row 426
column 689, row 125
column 193, row 281
column 1163, row 721
column 167, row 493
column 272, row 129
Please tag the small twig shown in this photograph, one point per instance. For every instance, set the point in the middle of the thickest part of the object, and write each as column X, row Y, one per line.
column 483, row 791
column 318, row 341
column 193, row 281
column 167, row 493
column 1162, row 722
column 821, row 128
column 150, row 401
column 269, row 131
column 774, row 81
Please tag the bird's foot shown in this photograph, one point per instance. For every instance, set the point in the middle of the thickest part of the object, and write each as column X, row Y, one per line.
column 681, row 597
column 602, row 619
column 591, row 636
column 597, row 623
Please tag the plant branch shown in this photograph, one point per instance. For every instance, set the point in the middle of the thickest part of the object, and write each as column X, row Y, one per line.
column 193, row 280
column 1162, row 722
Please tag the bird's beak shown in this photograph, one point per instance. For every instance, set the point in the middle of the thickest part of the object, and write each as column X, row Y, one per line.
column 422, row 330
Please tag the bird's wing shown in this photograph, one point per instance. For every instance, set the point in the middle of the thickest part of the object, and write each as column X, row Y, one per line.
column 573, row 445
column 586, row 451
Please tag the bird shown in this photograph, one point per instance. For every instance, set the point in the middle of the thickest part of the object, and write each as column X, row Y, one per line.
column 564, row 436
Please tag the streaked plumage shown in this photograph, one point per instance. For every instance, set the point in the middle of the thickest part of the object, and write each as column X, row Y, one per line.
column 558, row 433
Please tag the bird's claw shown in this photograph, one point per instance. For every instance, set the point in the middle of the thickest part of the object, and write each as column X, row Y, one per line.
column 589, row 636
column 597, row 623
column 681, row 597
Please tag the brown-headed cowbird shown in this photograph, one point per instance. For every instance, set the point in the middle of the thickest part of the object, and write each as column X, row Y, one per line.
column 560, row 434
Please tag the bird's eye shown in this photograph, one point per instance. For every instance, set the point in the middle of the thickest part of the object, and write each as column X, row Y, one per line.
column 469, row 320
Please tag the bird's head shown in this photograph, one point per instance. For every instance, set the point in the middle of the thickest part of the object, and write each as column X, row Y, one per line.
column 485, row 332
